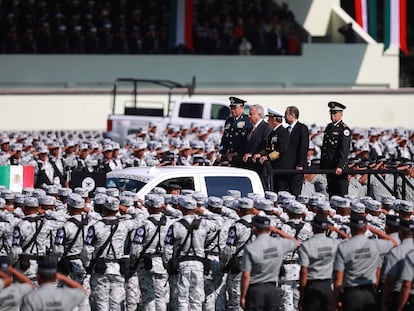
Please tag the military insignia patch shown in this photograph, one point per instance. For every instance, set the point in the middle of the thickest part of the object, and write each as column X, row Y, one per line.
column 346, row 132
column 231, row 238
column 169, row 238
column 16, row 237
column 139, row 235
column 90, row 235
column 241, row 124
column 60, row 236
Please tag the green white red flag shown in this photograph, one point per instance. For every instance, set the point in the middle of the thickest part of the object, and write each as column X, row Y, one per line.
column 395, row 24
column 17, row 177
column 366, row 15
column 181, row 23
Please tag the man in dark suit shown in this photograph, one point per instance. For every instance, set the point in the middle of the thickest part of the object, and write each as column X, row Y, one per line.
column 335, row 150
column 256, row 140
column 276, row 146
column 297, row 150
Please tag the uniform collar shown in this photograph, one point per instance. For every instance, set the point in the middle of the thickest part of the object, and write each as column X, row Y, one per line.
column 277, row 127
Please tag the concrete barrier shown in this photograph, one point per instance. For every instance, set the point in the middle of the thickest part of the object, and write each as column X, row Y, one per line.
column 88, row 109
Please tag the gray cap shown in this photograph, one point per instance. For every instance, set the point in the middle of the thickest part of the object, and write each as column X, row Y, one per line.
column 229, row 201
column 351, row 197
column 112, row 192
column 200, row 197
column 302, row 198
column 405, row 206
column 159, row 190
column 245, row 203
column 265, row 205
column 111, row 203
column 189, row 192
column 31, row 202
column 99, row 190
column 107, row 147
column 358, row 207
column 284, row 196
column 2, row 203
column 315, row 199
column 253, row 196
column 154, row 201
column 51, row 189
column 296, row 207
column 323, row 206
column 187, row 202
column 234, row 193
column 37, row 193
column 168, row 198
column 270, row 195
column 84, row 193
column 373, row 205
column 126, row 200
column 214, row 202
column 387, row 200
column 27, row 190
column 64, row 192
column 342, row 203
column 100, row 198
column 76, row 201
column 7, row 194
column 19, row 198
column 47, row 200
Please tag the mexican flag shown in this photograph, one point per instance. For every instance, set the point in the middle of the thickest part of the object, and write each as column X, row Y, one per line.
column 395, row 24
column 366, row 15
column 17, row 177
column 181, row 23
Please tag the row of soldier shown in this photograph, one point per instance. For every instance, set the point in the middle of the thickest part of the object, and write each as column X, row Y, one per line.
column 247, row 141
column 55, row 159
column 184, row 251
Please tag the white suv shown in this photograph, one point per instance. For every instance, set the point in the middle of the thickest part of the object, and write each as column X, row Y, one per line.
column 211, row 180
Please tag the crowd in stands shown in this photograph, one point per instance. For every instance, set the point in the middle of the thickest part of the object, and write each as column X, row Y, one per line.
column 259, row 27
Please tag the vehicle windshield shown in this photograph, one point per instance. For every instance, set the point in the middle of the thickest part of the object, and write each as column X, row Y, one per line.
column 125, row 184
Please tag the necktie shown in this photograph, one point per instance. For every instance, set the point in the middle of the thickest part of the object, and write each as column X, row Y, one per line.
column 251, row 132
column 289, row 128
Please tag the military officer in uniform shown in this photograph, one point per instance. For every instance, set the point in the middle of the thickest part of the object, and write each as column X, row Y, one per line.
column 236, row 130
column 356, row 265
column 406, row 301
column 393, row 266
column 50, row 297
column 277, row 143
column 261, row 263
column 335, row 150
column 316, row 257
